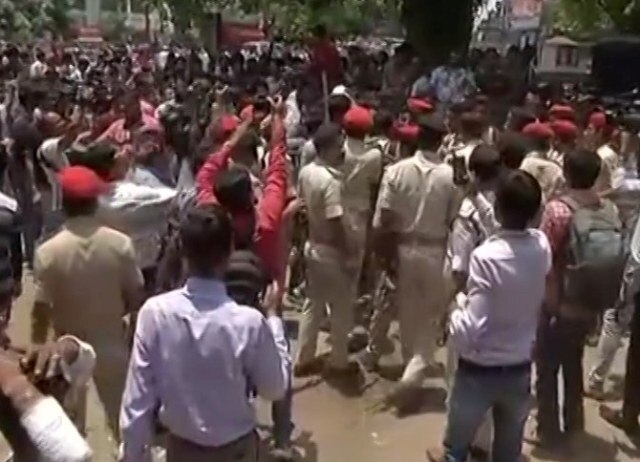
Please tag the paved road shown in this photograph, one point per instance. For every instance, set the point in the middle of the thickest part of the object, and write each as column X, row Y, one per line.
column 349, row 425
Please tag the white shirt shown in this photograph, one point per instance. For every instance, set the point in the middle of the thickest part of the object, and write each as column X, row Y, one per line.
column 54, row 159
column 37, row 70
column 506, row 286
column 610, row 163
column 140, row 212
column 308, row 153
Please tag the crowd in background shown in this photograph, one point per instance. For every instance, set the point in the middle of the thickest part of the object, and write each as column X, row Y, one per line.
column 171, row 204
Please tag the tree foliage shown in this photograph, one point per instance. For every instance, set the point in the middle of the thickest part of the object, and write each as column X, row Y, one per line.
column 585, row 17
column 439, row 27
column 23, row 19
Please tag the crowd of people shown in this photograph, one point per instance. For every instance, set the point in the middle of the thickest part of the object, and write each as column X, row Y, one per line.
column 170, row 205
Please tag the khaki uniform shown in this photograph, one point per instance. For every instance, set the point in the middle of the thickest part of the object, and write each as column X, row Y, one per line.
column 362, row 171
column 329, row 276
column 421, row 196
column 610, row 163
column 85, row 273
column 548, row 173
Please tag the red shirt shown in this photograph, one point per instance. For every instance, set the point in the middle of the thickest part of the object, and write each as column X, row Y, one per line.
column 556, row 220
column 271, row 205
column 325, row 57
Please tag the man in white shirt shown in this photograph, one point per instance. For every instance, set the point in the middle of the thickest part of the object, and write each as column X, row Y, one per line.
column 600, row 131
column 38, row 68
column 474, row 224
column 495, row 331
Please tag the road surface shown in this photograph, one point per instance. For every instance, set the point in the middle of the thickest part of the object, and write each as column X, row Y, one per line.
column 335, row 425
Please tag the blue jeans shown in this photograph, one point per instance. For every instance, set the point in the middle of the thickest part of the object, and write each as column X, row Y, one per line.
column 476, row 390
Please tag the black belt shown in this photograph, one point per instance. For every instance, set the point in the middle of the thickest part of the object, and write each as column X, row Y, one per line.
column 471, row 367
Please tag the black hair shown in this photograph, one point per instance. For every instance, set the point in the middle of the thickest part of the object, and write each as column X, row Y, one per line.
column 326, row 136
column 405, row 48
column 206, row 236
column 79, row 207
column 245, row 278
column 581, row 168
column 382, row 122
column 520, row 118
column 484, row 162
column 462, row 107
column 338, row 107
column 431, row 132
column 233, row 189
column 513, row 148
column 472, row 124
column 261, row 104
column 518, row 200
column 539, row 144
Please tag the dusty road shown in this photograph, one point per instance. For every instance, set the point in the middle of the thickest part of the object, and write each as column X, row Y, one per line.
column 350, row 426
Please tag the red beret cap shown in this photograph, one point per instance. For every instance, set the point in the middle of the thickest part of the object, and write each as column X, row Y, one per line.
column 538, row 130
column 598, row 120
column 405, row 132
column 358, row 119
column 565, row 129
column 79, row 182
column 562, row 111
column 419, row 105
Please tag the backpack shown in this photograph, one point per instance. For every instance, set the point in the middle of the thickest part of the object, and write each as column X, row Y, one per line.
column 595, row 257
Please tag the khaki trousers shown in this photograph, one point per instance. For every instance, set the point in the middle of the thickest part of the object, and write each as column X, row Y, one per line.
column 99, row 408
column 420, row 297
column 244, row 449
column 332, row 285
column 384, row 312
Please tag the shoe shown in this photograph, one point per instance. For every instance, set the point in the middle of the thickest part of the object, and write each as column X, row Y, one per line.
column 284, row 454
column 357, row 342
column 545, row 442
column 617, row 419
column 352, row 369
column 369, row 360
column 595, row 392
column 478, row 454
column 435, row 455
column 313, row 367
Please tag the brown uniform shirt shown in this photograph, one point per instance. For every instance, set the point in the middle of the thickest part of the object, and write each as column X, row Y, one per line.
column 421, row 194
column 85, row 273
column 548, row 174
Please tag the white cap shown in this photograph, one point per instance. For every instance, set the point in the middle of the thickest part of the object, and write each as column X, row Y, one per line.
column 341, row 90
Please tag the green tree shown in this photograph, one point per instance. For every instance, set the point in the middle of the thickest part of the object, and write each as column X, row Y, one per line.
column 584, row 17
column 439, row 27
column 24, row 19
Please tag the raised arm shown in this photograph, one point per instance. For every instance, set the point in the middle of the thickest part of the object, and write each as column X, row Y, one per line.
column 274, row 195
column 216, row 162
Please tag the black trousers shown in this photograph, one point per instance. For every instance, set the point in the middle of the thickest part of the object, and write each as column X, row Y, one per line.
column 559, row 349
column 631, row 403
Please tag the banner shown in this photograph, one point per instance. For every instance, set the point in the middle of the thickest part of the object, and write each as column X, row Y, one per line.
column 524, row 8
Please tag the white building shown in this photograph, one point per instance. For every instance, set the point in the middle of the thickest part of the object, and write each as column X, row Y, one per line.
column 563, row 59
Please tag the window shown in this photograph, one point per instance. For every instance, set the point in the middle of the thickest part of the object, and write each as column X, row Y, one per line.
column 567, row 56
